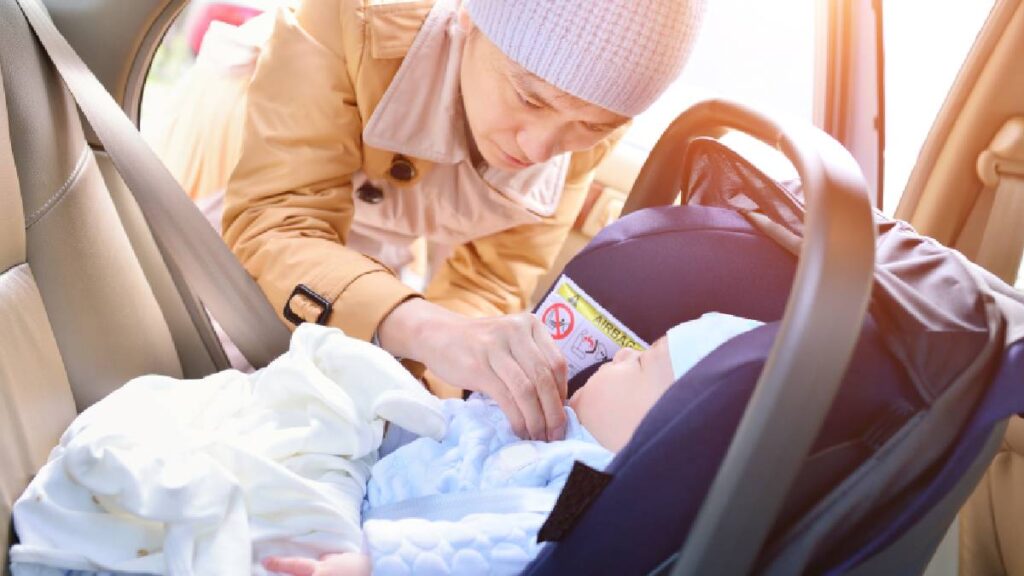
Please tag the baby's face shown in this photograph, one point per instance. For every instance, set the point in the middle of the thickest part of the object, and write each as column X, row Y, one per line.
column 617, row 397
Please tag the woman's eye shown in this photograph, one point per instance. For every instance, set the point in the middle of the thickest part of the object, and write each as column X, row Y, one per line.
column 527, row 102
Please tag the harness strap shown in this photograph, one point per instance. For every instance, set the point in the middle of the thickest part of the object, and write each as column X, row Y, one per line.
column 452, row 507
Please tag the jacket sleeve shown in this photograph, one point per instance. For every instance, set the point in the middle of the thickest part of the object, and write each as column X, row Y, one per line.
column 498, row 273
column 288, row 205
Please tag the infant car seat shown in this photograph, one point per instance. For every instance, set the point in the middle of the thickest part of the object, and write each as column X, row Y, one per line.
column 92, row 294
column 916, row 417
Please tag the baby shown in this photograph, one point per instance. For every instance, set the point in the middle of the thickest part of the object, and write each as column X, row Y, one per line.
column 239, row 473
column 473, row 502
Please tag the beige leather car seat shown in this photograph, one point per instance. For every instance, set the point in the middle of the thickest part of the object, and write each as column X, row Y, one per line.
column 990, row 535
column 86, row 302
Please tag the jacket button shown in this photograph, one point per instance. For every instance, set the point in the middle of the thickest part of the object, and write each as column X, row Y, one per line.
column 369, row 193
column 402, row 169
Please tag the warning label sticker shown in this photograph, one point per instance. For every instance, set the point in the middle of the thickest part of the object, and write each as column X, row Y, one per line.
column 585, row 332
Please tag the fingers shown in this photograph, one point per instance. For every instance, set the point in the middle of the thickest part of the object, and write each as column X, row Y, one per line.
column 345, row 564
column 293, row 566
column 512, row 359
column 523, row 394
column 553, row 356
column 548, row 391
column 495, row 387
column 511, row 410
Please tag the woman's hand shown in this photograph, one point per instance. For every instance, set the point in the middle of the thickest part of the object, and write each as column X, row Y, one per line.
column 348, row 564
column 510, row 358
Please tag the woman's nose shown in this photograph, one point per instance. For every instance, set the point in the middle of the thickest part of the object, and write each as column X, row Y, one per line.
column 539, row 143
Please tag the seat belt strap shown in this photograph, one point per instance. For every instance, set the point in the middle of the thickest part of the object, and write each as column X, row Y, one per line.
column 1002, row 244
column 455, row 506
column 1001, row 167
column 181, row 231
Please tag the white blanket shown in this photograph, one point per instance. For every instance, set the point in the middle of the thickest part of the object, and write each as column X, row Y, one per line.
column 208, row 476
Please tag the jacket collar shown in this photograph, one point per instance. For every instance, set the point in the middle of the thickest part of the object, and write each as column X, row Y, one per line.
column 421, row 114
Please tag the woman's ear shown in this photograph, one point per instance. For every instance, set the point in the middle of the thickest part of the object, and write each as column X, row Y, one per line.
column 465, row 23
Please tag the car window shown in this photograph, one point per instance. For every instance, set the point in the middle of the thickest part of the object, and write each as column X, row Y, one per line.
column 759, row 53
column 177, row 52
column 926, row 43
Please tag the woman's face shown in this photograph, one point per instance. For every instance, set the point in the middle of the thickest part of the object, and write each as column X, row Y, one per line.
column 616, row 398
column 516, row 119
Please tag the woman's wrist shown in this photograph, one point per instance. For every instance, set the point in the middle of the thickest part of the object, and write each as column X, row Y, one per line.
column 410, row 329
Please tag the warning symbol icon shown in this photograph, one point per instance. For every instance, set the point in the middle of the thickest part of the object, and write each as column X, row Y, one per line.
column 587, row 346
column 559, row 319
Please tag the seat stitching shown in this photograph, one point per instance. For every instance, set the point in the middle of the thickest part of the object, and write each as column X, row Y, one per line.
column 61, row 192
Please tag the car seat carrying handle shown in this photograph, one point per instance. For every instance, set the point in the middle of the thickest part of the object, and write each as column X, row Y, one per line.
column 819, row 330
column 182, row 233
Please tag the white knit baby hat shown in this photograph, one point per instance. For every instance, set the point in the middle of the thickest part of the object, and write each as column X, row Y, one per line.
column 618, row 54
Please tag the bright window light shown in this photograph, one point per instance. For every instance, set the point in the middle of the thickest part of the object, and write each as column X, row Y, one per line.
column 926, row 43
column 757, row 53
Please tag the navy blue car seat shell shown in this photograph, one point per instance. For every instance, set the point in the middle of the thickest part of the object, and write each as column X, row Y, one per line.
column 861, row 485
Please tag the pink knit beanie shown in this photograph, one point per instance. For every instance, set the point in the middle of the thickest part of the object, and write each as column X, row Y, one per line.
column 618, row 54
